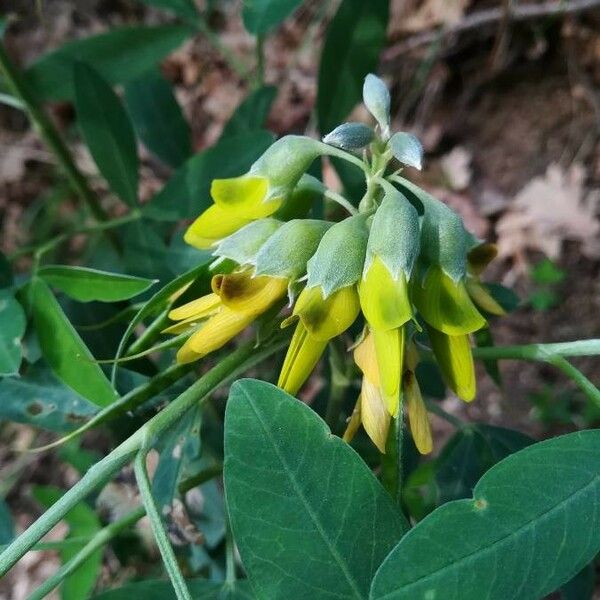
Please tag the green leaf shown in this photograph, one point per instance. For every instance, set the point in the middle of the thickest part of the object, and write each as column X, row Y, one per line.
column 506, row 297
column 532, row 523
column 82, row 522
column 64, row 350
column 469, row 453
column 252, row 112
column 38, row 398
column 7, row 526
column 6, row 274
column 186, row 194
column 107, row 131
column 12, row 328
column 546, row 272
column 85, row 285
column 262, row 15
column 354, row 40
column 158, row 119
column 119, row 55
column 186, row 9
column 281, row 462
column 163, row 590
column 582, row 586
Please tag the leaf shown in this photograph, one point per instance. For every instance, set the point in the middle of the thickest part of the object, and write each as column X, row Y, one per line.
column 85, row 285
column 469, row 454
column 185, row 9
column 7, row 526
column 281, row 462
column 107, row 131
column 407, row 149
column 252, row 112
column 354, row 40
column 82, row 522
column 158, row 119
column 12, row 328
column 163, row 590
column 186, row 194
column 38, row 398
column 119, row 55
column 64, row 350
column 532, row 523
column 261, row 15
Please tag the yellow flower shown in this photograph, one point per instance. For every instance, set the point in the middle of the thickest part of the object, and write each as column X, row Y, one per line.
column 386, row 306
column 237, row 202
column 237, row 299
column 319, row 320
column 477, row 260
column 418, row 419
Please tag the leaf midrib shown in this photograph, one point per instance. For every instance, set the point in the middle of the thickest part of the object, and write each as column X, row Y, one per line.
column 313, row 516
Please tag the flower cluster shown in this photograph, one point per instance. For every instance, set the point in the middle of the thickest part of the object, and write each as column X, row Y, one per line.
column 402, row 259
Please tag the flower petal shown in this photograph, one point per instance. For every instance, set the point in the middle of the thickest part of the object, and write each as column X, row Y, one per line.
column 389, row 348
column 483, row 298
column 326, row 318
column 384, row 301
column 214, row 224
column 445, row 304
column 480, row 257
column 240, row 193
column 246, row 294
column 366, row 359
column 303, row 354
column 197, row 309
column 374, row 414
column 418, row 418
column 353, row 423
column 454, row 356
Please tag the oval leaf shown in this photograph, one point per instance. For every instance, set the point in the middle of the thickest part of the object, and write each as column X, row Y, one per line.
column 119, row 55
column 65, row 351
column 12, row 328
column 281, row 462
column 350, row 136
column 354, row 40
column 407, row 149
column 107, row 131
column 532, row 523
column 262, row 15
column 157, row 118
column 85, row 285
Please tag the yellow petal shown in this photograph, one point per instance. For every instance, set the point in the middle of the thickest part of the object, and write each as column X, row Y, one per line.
column 212, row 225
column 185, row 354
column 374, row 414
column 217, row 331
column 389, row 348
column 182, row 326
column 446, row 305
column 242, row 193
column 302, row 356
column 246, row 294
column 411, row 356
column 454, row 356
column 483, row 298
column 326, row 318
column 353, row 423
column 366, row 359
column 384, row 301
column 418, row 419
column 480, row 257
column 197, row 309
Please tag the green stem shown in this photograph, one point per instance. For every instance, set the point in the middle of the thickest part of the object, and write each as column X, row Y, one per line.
column 19, row 88
column 98, row 541
column 540, row 351
column 202, row 477
column 235, row 363
column 343, row 202
column 260, row 60
column 39, row 250
column 400, row 454
column 150, row 334
column 158, row 529
column 586, row 386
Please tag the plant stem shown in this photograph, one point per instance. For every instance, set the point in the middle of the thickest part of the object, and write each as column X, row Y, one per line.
column 400, row 454
column 150, row 334
column 19, row 88
column 100, row 539
column 158, row 529
column 339, row 199
column 202, row 477
column 586, row 386
column 540, row 351
column 260, row 60
column 236, row 362
column 40, row 249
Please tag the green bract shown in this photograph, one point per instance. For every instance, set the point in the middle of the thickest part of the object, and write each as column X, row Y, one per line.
column 243, row 245
column 339, row 259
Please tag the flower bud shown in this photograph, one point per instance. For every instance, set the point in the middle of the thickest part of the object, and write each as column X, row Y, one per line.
column 407, row 149
column 339, row 259
column 303, row 197
column 243, row 245
column 350, row 136
column 376, row 97
column 287, row 251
